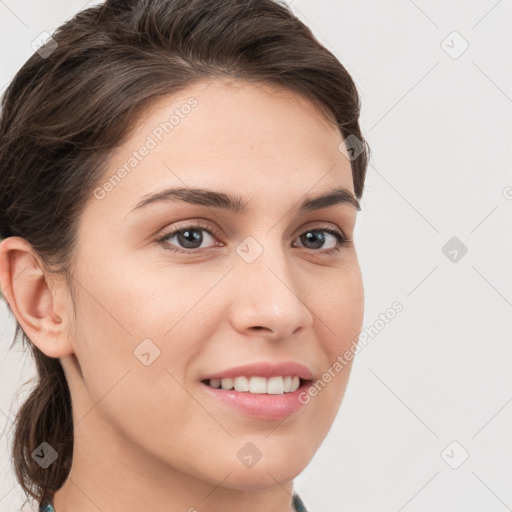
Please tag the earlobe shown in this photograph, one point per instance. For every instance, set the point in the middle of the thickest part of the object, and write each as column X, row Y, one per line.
column 25, row 286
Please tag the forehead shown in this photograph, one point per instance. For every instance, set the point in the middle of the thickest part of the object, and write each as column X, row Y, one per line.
column 230, row 135
column 246, row 113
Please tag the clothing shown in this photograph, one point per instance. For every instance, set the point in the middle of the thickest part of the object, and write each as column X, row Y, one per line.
column 46, row 507
column 298, row 505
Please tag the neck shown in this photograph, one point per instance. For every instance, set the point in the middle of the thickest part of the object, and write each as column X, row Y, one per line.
column 113, row 473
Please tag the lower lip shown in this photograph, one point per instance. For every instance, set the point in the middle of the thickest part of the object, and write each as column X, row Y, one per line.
column 261, row 406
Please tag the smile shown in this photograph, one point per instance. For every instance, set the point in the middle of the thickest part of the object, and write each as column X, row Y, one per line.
column 257, row 385
column 258, row 404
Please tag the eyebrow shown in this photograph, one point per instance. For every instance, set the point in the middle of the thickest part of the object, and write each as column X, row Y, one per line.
column 235, row 204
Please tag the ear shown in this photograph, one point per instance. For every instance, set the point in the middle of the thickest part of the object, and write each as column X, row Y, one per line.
column 35, row 296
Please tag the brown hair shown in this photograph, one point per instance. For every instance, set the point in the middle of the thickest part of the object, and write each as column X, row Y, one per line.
column 71, row 105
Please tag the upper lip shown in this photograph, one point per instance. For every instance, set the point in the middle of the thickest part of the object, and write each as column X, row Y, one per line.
column 264, row 369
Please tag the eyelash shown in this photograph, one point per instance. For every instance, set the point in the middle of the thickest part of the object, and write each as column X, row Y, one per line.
column 343, row 241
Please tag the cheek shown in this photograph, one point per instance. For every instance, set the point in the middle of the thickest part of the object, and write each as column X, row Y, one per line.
column 340, row 310
column 127, row 318
column 114, row 319
column 137, row 301
column 339, row 304
column 162, row 297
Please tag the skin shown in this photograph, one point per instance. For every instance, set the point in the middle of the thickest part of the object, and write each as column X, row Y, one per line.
column 148, row 437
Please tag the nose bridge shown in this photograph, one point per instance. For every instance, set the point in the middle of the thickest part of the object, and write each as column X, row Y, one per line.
column 267, row 294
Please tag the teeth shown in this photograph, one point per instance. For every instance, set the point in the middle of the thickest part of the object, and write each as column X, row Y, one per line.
column 258, row 385
column 241, row 384
column 275, row 386
column 227, row 383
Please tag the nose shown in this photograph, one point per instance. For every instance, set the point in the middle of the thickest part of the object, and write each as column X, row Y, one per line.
column 268, row 300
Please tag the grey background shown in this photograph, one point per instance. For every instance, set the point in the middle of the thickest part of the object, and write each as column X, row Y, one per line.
column 440, row 132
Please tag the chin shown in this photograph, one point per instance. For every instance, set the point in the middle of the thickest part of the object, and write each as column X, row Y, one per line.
column 261, row 477
column 266, row 472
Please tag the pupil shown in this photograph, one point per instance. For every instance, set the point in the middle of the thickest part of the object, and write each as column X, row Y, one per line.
column 195, row 236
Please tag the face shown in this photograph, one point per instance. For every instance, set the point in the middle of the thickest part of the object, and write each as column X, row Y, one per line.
column 178, row 289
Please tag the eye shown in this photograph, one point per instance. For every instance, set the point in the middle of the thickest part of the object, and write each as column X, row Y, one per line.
column 189, row 237
column 316, row 239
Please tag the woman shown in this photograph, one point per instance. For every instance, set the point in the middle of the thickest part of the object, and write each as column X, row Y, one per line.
column 180, row 185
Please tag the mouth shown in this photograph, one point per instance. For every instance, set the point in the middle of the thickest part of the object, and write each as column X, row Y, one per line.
column 263, row 390
column 259, row 385
column 279, row 399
